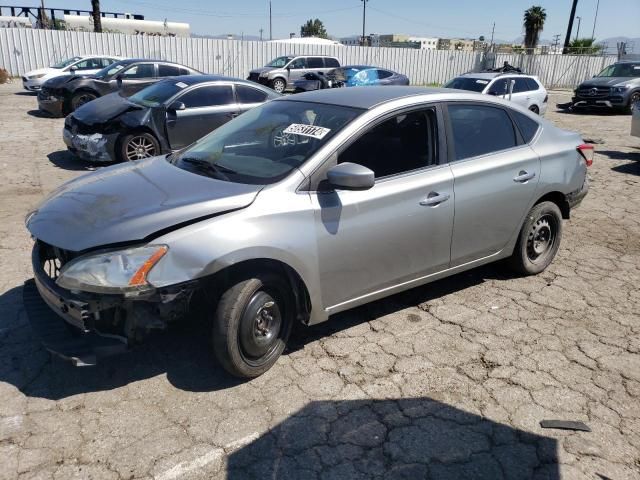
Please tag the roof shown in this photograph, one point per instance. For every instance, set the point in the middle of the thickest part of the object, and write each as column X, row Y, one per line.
column 492, row 75
column 308, row 41
column 193, row 79
column 362, row 97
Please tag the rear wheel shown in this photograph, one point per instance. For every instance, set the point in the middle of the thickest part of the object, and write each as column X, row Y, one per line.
column 81, row 98
column 635, row 97
column 252, row 323
column 539, row 239
column 138, row 146
column 278, row 85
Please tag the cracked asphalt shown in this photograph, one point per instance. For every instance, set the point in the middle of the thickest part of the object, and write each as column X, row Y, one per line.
column 449, row 380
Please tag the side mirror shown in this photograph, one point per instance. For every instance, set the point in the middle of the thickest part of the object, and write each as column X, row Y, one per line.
column 73, row 68
column 175, row 106
column 493, row 92
column 351, row 176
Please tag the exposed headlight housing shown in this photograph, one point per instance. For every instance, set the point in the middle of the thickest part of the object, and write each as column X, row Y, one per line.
column 620, row 89
column 118, row 271
column 40, row 75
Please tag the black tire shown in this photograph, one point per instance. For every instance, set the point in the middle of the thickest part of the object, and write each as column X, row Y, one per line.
column 279, row 85
column 137, row 146
column 534, row 109
column 635, row 97
column 252, row 323
column 539, row 239
column 80, row 98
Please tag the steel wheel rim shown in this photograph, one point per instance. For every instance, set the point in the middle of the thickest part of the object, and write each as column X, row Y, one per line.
column 260, row 328
column 542, row 238
column 139, row 147
column 279, row 86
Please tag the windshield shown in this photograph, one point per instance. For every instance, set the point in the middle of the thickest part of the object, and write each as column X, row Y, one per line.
column 66, row 63
column 279, row 62
column 111, row 70
column 467, row 83
column 158, row 93
column 265, row 144
column 621, row 70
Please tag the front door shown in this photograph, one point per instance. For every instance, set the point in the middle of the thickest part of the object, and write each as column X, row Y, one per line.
column 395, row 232
column 495, row 177
column 296, row 69
column 206, row 108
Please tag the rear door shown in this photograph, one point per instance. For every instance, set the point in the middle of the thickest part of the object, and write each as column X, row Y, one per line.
column 296, row 69
column 521, row 91
column 496, row 176
column 206, row 108
column 248, row 97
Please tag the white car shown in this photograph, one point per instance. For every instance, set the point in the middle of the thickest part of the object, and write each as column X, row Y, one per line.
column 525, row 90
column 78, row 65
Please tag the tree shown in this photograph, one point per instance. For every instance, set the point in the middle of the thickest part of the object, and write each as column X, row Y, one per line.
column 586, row 46
column 95, row 13
column 313, row 28
column 533, row 24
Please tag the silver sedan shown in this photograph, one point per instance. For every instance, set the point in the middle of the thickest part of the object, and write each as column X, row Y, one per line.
column 301, row 208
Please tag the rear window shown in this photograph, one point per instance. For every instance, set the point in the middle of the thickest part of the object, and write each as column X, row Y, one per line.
column 250, row 95
column 528, row 127
column 467, row 83
column 168, row 70
column 208, row 96
column 331, row 63
column 521, row 85
column 533, row 85
column 315, row 62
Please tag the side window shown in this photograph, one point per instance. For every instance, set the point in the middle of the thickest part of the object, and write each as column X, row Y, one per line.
column 499, row 87
column 88, row 64
column 250, row 95
column 168, row 70
column 105, row 62
column 142, row 70
column 315, row 62
column 331, row 63
column 528, row 127
column 210, row 96
column 479, row 130
column 533, row 85
column 384, row 74
column 184, row 71
column 521, row 85
column 299, row 63
column 403, row 143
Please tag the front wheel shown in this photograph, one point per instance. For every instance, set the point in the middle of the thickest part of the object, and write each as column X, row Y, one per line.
column 278, row 85
column 138, row 146
column 635, row 97
column 539, row 239
column 252, row 323
column 81, row 98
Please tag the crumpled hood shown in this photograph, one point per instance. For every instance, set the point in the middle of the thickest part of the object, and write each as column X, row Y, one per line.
column 130, row 202
column 606, row 81
column 103, row 109
column 262, row 69
column 57, row 82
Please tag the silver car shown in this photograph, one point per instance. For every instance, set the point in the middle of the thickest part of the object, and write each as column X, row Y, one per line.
column 281, row 73
column 298, row 209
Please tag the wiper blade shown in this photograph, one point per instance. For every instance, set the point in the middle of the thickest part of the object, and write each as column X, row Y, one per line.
column 216, row 170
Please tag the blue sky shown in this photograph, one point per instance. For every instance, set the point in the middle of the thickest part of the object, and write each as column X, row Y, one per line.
column 458, row 18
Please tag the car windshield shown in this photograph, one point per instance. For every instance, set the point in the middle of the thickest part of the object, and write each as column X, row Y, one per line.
column 468, row 83
column 157, row 93
column 111, row 70
column 66, row 63
column 279, row 62
column 621, row 70
column 263, row 145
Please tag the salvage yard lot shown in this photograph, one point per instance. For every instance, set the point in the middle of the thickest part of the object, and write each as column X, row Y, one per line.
column 449, row 380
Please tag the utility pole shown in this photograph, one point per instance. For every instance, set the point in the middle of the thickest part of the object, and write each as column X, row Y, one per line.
column 493, row 30
column 578, row 29
column 595, row 19
column 556, row 42
column 43, row 16
column 567, row 38
column 364, row 17
column 270, row 24
column 261, row 30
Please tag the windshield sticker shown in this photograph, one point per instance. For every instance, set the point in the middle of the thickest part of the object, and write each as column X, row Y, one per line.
column 636, row 67
column 483, row 82
column 181, row 84
column 307, row 130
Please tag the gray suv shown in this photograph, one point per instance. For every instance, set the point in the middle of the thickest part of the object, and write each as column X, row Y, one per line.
column 281, row 72
column 301, row 208
column 617, row 86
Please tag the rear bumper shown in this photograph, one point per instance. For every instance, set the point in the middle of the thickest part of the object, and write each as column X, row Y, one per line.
column 575, row 198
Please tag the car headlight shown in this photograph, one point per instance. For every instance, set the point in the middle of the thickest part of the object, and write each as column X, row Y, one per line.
column 620, row 89
column 40, row 75
column 118, row 271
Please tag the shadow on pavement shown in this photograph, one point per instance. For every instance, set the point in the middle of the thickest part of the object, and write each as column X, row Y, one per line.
column 183, row 352
column 413, row 438
column 617, row 155
column 25, row 93
column 39, row 114
column 68, row 161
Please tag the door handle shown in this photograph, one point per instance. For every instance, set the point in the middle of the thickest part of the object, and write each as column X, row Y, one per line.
column 434, row 199
column 523, row 176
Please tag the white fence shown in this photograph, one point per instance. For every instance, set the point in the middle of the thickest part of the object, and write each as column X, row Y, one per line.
column 22, row 50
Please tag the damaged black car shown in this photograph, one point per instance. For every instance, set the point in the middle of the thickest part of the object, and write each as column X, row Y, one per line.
column 164, row 117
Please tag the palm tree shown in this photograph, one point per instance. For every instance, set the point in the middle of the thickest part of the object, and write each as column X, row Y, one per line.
column 533, row 24
column 586, row 46
column 95, row 13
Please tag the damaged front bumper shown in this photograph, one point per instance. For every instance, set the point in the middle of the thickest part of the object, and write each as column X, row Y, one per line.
column 95, row 147
column 84, row 327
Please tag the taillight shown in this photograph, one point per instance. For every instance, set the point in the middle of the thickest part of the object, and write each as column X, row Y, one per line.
column 587, row 151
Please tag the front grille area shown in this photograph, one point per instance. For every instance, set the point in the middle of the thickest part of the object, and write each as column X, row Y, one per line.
column 52, row 259
column 593, row 92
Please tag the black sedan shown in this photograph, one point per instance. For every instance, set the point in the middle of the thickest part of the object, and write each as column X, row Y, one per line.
column 349, row 76
column 161, row 118
column 62, row 95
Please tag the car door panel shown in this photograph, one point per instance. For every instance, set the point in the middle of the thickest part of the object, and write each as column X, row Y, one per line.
column 145, row 74
column 359, row 254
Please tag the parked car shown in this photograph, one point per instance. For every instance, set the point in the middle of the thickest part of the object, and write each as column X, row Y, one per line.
column 617, row 87
column 166, row 116
column 525, row 90
column 349, row 76
column 281, row 72
column 78, row 65
column 356, row 204
column 62, row 95
column 635, row 120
